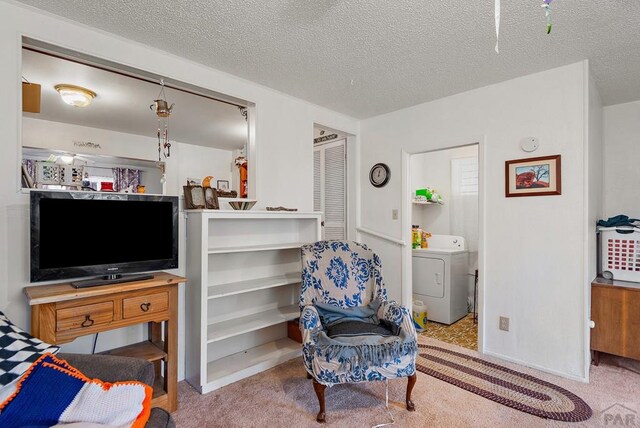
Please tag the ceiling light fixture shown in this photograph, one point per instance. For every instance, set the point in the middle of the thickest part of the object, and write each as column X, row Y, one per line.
column 75, row 96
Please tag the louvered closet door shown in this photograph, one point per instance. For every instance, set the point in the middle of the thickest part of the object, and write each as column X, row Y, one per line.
column 329, row 188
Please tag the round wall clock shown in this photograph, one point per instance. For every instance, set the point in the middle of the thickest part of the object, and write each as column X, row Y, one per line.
column 379, row 175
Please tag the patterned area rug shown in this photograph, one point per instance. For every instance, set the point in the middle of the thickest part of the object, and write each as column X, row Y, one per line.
column 462, row 333
column 502, row 385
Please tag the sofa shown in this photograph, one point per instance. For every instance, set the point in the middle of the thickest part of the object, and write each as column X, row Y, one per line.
column 110, row 368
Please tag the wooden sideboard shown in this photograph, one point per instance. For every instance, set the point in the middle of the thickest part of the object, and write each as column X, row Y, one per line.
column 615, row 310
column 60, row 313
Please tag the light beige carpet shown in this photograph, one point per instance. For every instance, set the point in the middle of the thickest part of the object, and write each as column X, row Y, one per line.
column 284, row 397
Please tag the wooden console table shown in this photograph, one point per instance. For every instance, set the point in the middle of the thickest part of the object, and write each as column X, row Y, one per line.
column 615, row 310
column 60, row 313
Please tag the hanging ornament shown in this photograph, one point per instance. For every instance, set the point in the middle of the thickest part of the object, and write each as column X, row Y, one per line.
column 497, row 16
column 163, row 110
column 546, row 5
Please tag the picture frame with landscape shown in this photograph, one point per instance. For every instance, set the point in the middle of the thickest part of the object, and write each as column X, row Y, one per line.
column 539, row 176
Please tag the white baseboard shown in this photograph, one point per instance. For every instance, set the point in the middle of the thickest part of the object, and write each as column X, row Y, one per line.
column 537, row 367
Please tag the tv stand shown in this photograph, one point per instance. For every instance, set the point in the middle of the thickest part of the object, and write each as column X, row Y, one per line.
column 110, row 279
column 61, row 313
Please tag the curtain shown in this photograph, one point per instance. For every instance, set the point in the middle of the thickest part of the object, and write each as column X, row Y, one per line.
column 30, row 166
column 124, row 178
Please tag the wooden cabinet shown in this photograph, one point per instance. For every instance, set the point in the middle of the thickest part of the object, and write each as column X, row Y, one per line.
column 244, row 272
column 615, row 310
column 60, row 313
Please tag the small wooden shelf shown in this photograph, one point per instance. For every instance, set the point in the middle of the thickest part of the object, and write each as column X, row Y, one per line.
column 115, row 306
column 145, row 350
column 236, row 326
column 253, row 360
column 251, row 248
column 231, row 288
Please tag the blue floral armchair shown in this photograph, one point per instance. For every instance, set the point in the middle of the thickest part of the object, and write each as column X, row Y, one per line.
column 347, row 275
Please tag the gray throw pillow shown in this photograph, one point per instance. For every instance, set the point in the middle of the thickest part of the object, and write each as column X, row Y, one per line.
column 359, row 328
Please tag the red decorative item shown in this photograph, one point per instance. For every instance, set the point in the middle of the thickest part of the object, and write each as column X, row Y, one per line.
column 241, row 163
column 106, row 186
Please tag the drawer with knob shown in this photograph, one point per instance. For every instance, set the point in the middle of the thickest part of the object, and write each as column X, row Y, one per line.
column 144, row 305
column 84, row 317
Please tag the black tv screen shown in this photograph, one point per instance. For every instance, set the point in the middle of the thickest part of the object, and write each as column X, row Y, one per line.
column 76, row 234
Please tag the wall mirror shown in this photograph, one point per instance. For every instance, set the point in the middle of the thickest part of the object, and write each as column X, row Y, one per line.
column 99, row 126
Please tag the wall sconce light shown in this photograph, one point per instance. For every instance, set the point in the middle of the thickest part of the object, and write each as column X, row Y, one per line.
column 75, row 96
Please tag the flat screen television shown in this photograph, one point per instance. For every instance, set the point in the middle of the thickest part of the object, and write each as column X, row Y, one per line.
column 80, row 234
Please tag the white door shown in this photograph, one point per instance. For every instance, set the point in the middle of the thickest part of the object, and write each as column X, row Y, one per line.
column 329, row 187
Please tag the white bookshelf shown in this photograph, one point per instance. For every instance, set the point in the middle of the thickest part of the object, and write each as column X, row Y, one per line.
column 244, row 284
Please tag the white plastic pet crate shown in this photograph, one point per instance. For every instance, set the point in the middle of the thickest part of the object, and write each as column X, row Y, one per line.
column 620, row 253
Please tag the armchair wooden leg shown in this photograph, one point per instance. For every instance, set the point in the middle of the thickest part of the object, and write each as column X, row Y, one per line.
column 319, row 388
column 411, row 381
column 309, row 376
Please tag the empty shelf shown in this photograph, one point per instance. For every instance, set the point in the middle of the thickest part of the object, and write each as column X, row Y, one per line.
column 253, row 360
column 236, row 326
column 145, row 350
column 249, row 248
column 239, row 287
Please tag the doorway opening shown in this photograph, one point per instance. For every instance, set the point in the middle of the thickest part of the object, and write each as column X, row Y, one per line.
column 119, row 140
column 330, row 181
column 445, row 213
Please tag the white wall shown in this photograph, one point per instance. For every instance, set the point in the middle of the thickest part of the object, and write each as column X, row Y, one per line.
column 532, row 247
column 283, row 135
column 594, row 197
column 199, row 162
column 622, row 159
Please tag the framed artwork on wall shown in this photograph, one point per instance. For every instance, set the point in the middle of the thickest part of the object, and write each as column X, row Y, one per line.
column 539, row 176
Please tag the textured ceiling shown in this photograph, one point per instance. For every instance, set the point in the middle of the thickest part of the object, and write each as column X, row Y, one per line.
column 122, row 105
column 367, row 57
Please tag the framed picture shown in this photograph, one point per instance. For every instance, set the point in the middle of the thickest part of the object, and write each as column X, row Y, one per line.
column 194, row 182
column 223, row 185
column 194, row 198
column 211, row 198
column 533, row 177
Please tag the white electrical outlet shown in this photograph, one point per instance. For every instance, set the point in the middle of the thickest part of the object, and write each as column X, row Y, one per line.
column 394, row 214
column 504, row 323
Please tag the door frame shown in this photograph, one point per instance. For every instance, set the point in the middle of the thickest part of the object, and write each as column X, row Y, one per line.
column 352, row 189
column 407, row 275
